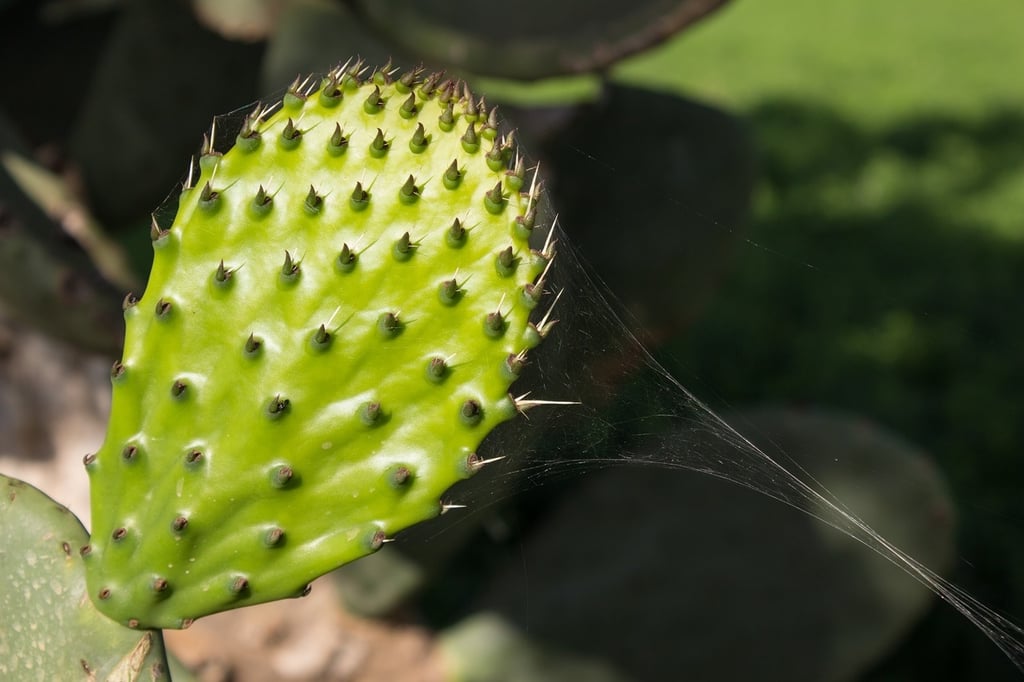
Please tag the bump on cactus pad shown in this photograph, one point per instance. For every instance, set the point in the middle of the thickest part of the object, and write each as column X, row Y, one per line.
column 331, row 327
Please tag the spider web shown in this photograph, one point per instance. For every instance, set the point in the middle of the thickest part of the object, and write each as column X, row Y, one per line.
column 626, row 410
column 630, row 411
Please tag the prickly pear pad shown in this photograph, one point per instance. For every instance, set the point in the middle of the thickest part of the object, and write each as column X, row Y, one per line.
column 331, row 327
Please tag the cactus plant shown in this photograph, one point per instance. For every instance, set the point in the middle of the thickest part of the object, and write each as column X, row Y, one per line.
column 331, row 326
column 50, row 627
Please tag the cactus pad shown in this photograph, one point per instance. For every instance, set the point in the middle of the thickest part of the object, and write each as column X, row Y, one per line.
column 331, row 327
column 50, row 630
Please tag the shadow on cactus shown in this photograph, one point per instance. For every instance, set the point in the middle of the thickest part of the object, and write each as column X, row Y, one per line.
column 331, row 326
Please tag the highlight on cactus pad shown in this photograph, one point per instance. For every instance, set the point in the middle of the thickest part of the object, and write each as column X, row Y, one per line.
column 363, row 314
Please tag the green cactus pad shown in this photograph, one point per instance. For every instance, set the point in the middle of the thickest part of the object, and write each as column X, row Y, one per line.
column 50, row 630
column 325, row 339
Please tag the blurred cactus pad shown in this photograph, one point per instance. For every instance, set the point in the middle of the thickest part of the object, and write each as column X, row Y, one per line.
column 331, row 327
column 50, row 629
column 538, row 40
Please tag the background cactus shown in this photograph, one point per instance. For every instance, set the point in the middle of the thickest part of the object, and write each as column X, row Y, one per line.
column 572, row 37
column 51, row 631
column 724, row 584
column 331, row 327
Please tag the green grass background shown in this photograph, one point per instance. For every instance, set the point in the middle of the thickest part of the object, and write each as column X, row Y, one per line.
column 884, row 271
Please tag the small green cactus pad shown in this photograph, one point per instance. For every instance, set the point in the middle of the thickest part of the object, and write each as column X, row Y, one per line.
column 331, row 327
column 50, row 630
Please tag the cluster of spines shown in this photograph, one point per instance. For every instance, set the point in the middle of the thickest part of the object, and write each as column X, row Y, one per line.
column 482, row 127
column 499, row 156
